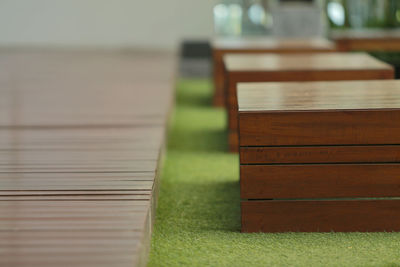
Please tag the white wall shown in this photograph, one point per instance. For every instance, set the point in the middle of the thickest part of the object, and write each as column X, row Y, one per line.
column 153, row 24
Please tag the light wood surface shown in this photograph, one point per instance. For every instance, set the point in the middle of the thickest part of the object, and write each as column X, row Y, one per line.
column 81, row 138
column 271, row 44
column 303, row 62
column 308, row 96
column 248, row 45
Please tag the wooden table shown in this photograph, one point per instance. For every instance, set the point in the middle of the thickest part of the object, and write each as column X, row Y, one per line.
column 299, row 67
column 223, row 46
column 367, row 40
column 320, row 156
column 81, row 144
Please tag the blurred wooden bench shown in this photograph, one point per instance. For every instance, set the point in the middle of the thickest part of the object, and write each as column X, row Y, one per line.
column 367, row 40
column 223, row 46
column 320, row 157
column 295, row 67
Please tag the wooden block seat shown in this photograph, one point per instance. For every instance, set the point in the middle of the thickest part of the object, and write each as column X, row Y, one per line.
column 320, row 156
column 298, row 67
column 223, row 46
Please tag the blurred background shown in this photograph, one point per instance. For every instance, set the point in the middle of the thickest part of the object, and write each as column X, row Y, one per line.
column 303, row 17
column 162, row 25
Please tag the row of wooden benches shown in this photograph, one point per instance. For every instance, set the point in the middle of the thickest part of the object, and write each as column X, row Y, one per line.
column 318, row 131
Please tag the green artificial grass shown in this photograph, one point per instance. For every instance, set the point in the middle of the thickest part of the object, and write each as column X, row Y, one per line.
column 198, row 215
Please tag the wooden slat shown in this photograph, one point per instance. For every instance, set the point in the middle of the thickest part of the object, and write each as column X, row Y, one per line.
column 320, row 154
column 72, row 215
column 57, row 162
column 81, row 192
column 342, row 127
column 117, row 139
column 319, row 181
column 321, row 216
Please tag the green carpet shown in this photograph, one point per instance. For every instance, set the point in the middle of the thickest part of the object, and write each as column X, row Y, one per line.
column 198, row 217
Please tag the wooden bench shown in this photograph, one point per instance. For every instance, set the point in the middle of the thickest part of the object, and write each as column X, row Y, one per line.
column 299, row 67
column 81, row 143
column 223, row 46
column 320, row 156
column 367, row 40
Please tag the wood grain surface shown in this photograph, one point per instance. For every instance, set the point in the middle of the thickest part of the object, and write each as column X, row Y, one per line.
column 306, row 96
column 319, row 154
column 285, row 68
column 335, row 127
column 321, row 215
column 319, row 181
column 249, row 45
column 264, row 62
column 81, row 138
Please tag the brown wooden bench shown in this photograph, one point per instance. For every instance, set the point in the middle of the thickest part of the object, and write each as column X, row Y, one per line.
column 81, row 144
column 367, row 40
column 223, row 46
column 299, row 67
column 320, row 156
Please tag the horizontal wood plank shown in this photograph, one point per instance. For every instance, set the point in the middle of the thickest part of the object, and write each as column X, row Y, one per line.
column 319, row 181
column 321, row 216
column 319, row 154
column 341, row 127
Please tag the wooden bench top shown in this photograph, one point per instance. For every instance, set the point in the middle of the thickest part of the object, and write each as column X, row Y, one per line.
column 309, row 96
column 81, row 140
column 272, row 44
column 303, row 62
